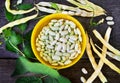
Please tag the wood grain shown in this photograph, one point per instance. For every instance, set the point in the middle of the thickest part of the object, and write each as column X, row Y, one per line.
column 7, row 63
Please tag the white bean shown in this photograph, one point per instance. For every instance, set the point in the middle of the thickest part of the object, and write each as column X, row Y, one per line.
column 57, row 36
column 83, row 80
column 109, row 18
column 84, row 71
column 110, row 23
column 72, row 24
column 56, row 58
column 52, row 33
column 80, row 38
column 67, row 62
column 64, row 40
column 58, row 53
column 41, row 43
column 66, row 27
column 71, row 13
column 50, row 38
column 78, row 31
column 38, row 48
column 61, row 63
column 53, row 42
column 72, row 41
column 50, row 47
column 69, row 29
column 73, row 38
column 63, row 47
column 58, row 47
column 64, row 33
column 61, row 27
column 54, row 20
column 72, row 46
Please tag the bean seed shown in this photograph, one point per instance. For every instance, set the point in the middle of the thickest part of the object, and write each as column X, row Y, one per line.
column 72, row 41
column 58, row 53
column 73, row 38
column 53, row 42
column 58, row 47
column 56, row 24
column 83, row 2
column 110, row 23
column 61, row 28
column 50, row 47
column 49, row 59
column 84, row 71
column 52, row 33
column 72, row 46
column 55, row 64
column 54, row 20
column 41, row 43
column 64, row 40
column 75, row 30
column 109, row 18
column 66, row 27
column 71, row 13
column 61, row 63
column 72, row 55
column 38, row 48
column 64, row 33
column 67, row 62
column 56, row 58
column 80, row 38
column 64, row 47
column 69, row 29
column 60, row 20
column 78, row 31
column 50, row 38
column 72, row 24
column 45, row 58
column 76, row 46
column 37, row 44
column 83, row 80
column 57, row 36
column 54, row 28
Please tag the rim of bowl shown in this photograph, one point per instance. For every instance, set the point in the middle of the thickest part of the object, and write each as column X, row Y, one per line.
column 44, row 21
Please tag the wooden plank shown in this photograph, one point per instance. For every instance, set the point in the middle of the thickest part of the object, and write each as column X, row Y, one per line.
column 74, row 73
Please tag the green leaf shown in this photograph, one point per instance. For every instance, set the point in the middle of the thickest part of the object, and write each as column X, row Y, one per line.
column 24, row 6
column 33, row 67
column 54, row 5
column 9, row 47
column 50, row 80
column 28, row 51
column 9, row 16
column 31, row 79
column 7, row 33
column 62, row 79
column 15, row 38
column 22, row 27
column 27, row 36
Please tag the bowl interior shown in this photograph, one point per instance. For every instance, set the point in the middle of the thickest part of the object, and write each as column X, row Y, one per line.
column 43, row 22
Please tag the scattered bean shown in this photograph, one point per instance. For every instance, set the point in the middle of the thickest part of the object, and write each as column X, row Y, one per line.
column 84, row 71
column 109, row 18
column 110, row 23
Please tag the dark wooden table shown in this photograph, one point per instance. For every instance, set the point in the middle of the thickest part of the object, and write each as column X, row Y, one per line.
column 7, row 59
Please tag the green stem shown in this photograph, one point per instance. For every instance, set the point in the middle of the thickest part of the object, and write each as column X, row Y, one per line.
column 16, row 48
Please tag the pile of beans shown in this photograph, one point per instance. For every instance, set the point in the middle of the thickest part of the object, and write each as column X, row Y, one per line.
column 59, row 42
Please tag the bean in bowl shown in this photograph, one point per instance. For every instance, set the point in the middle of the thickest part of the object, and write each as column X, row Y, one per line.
column 59, row 42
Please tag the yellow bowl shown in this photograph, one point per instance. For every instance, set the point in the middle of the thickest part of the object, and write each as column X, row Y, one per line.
column 43, row 22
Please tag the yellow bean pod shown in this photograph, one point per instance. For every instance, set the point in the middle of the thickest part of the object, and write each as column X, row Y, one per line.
column 89, row 6
column 17, row 22
column 7, row 5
